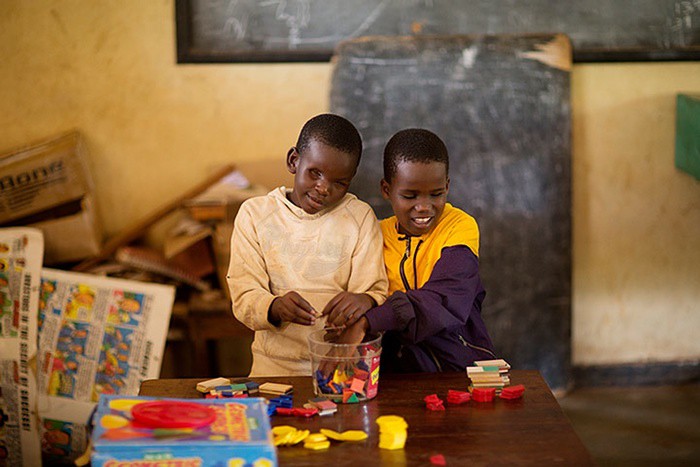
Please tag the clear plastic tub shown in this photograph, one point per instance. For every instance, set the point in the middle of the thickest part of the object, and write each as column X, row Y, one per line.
column 342, row 372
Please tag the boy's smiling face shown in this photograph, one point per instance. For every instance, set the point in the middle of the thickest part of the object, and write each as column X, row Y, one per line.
column 322, row 176
column 417, row 193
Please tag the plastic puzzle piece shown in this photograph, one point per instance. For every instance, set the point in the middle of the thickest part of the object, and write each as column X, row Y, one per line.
column 433, row 402
column 458, row 397
column 357, row 385
column 483, row 394
column 512, row 392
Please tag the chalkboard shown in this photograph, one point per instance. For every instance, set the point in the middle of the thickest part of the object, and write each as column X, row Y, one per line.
column 308, row 30
column 501, row 104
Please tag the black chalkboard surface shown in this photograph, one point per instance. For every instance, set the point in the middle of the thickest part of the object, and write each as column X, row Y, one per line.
column 501, row 104
column 308, row 30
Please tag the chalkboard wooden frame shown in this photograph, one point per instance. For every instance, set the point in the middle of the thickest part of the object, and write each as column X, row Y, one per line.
column 644, row 30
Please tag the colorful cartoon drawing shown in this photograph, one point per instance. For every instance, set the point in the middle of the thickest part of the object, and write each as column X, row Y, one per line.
column 56, row 437
column 127, row 308
column 72, row 337
column 113, row 363
column 64, row 367
column 46, row 292
column 80, row 303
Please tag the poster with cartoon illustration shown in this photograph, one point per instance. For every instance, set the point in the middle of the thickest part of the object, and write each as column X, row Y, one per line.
column 97, row 336
column 21, row 257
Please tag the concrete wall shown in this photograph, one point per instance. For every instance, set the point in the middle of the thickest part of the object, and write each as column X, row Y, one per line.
column 154, row 129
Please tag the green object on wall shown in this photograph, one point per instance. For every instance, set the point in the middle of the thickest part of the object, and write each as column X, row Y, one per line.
column 688, row 134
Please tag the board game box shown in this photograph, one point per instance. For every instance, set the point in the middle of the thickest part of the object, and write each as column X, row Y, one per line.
column 145, row 431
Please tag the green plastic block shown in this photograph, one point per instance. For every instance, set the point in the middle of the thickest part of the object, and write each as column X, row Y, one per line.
column 688, row 134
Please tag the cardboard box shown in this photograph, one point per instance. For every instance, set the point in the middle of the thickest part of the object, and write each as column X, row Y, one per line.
column 240, row 434
column 71, row 237
column 47, row 185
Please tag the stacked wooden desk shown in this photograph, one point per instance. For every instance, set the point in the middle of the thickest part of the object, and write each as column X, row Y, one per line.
column 529, row 431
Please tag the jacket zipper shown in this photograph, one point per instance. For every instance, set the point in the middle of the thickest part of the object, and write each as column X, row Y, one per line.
column 406, row 255
column 432, row 355
column 402, row 265
column 467, row 344
column 415, row 271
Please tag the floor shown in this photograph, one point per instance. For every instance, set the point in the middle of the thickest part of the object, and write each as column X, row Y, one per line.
column 647, row 425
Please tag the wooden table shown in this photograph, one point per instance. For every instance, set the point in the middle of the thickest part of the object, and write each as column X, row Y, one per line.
column 529, row 431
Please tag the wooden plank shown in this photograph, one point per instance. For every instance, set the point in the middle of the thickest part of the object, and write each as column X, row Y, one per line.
column 138, row 229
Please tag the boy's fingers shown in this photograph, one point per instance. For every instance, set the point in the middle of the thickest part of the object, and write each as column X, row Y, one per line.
column 304, row 317
column 300, row 302
column 330, row 306
column 342, row 314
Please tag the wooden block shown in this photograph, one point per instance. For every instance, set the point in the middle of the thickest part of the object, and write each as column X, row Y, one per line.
column 275, row 388
column 208, row 385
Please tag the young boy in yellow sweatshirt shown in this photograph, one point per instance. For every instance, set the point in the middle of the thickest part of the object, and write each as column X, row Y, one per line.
column 432, row 319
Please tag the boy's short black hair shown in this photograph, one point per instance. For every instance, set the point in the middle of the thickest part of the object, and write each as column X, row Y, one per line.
column 332, row 130
column 413, row 145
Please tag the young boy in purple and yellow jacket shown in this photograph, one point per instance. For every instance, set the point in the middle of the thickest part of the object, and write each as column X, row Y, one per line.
column 432, row 318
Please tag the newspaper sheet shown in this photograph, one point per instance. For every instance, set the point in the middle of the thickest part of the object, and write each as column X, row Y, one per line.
column 97, row 336
column 21, row 256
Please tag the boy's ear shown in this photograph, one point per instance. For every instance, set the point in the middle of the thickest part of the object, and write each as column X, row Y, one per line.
column 447, row 185
column 292, row 160
column 384, row 187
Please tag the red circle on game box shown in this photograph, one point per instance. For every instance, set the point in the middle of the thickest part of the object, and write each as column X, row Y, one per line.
column 173, row 414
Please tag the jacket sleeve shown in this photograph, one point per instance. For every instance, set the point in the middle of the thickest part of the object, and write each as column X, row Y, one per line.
column 248, row 280
column 445, row 300
column 368, row 274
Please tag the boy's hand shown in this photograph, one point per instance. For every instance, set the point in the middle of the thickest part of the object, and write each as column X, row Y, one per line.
column 291, row 307
column 346, row 308
column 351, row 335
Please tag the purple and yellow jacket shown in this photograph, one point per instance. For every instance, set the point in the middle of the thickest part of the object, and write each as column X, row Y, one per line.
column 432, row 317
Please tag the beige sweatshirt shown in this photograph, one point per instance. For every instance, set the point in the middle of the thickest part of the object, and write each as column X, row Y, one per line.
column 276, row 247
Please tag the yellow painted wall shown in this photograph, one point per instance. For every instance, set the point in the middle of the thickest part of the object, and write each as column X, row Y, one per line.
column 636, row 217
column 154, row 129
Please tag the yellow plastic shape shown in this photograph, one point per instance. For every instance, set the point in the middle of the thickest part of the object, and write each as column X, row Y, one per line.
column 110, row 421
column 282, row 430
column 124, row 405
column 316, row 438
column 318, row 446
column 354, row 435
column 334, row 435
column 299, row 436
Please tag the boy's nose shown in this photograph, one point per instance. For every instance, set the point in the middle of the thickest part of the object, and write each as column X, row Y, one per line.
column 422, row 206
column 322, row 187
